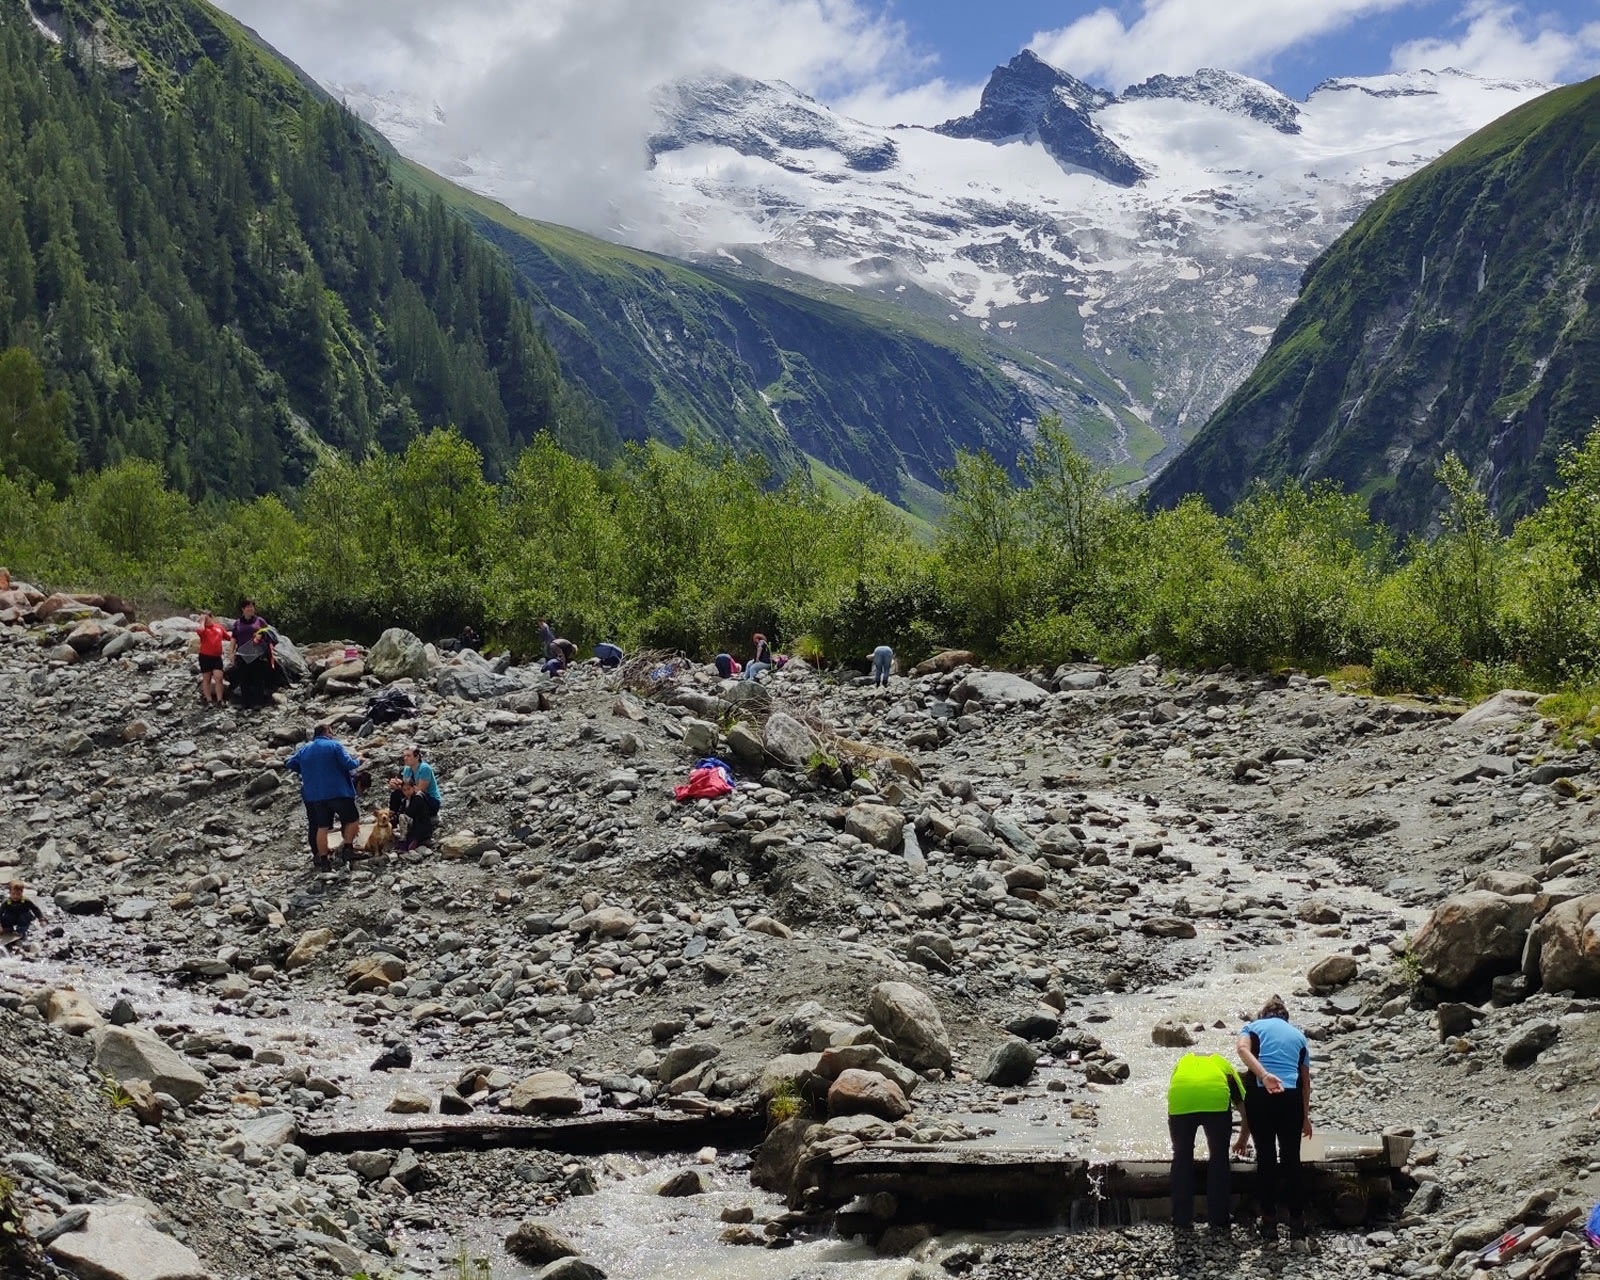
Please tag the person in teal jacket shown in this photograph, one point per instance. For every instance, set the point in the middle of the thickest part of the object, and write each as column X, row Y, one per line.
column 1202, row 1094
column 415, row 793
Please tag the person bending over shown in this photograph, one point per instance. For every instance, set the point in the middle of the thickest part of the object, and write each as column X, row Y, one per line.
column 1278, row 1104
column 1203, row 1091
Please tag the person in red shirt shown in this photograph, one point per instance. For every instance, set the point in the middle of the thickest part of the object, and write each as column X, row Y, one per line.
column 212, row 636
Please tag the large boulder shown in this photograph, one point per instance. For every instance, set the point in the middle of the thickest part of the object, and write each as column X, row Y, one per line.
column 311, row 944
column 473, row 682
column 373, row 972
column 119, row 1242
column 132, row 1053
column 998, row 686
column 398, row 655
column 290, row 660
column 536, row 1242
column 1011, row 1063
column 70, row 1011
column 1505, row 710
column 881, row 825
column 911, row 1022
column 858, row 1092
column 700, row 736
column 1567, row 944
column 790, row 742
column 946, row 662
column 544, row 1093
column 1471, row 937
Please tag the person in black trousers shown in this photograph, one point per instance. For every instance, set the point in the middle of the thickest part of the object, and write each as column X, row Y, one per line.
column 1202, row 1094
column 1278, row 1104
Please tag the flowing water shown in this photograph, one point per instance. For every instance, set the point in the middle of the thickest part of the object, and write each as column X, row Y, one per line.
column 635, row 1234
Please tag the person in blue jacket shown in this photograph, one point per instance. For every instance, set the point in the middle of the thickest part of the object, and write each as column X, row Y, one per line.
column 327, row 785
column 1277, row 1100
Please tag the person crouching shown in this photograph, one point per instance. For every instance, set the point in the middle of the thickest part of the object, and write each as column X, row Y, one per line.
column 415, row 793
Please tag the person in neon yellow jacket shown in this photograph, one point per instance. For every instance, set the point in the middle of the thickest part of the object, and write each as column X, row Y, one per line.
column 1201, row 1095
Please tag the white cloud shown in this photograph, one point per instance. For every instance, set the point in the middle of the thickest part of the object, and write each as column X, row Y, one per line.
column 1177, row 36
column 931, row 102
column 1500, row 39
column 559, row 90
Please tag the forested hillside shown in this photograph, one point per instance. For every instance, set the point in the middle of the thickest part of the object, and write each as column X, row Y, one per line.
column 212, row 263
column 1460, row 314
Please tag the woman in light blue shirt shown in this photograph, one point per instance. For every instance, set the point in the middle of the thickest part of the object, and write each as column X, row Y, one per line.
column 415, row 793
column 1277, row 1100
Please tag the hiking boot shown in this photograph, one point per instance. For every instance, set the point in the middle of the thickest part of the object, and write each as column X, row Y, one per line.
column 1269, row 1230
column 1299, row 1237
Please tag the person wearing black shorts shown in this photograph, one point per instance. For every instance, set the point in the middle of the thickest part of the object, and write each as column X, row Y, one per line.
column 327, row 785
column 212, row 634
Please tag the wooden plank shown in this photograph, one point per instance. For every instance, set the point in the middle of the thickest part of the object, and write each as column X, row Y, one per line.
column 599, row 1132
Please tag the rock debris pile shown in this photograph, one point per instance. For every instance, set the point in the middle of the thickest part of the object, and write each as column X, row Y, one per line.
column 924, row 915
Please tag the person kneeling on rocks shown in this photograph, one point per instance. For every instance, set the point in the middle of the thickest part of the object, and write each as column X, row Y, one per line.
column 1202, row 1094
column 415, row 793
column 327, row 785
column 17, row 913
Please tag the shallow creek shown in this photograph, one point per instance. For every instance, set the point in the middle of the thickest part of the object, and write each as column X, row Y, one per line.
column 634, row 1234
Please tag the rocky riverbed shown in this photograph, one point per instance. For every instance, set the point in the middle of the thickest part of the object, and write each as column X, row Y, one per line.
column 962, row 911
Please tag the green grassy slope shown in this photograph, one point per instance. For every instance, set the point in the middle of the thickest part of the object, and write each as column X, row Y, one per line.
column 1459, row 313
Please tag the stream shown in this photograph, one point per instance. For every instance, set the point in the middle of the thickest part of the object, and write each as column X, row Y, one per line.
column 634, row 1234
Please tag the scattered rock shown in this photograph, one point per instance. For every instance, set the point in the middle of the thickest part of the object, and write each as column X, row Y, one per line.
column 1009, row 1063
column 536, row 1243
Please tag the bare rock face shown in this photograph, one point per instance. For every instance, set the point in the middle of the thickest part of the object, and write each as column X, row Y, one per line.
column 1471, row 937
column 911, row 1021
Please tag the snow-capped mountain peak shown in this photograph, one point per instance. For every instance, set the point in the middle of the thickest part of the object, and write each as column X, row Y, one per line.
column 1135, row 251
column 1030, row 100
column 1227, row 91
column 763, row 119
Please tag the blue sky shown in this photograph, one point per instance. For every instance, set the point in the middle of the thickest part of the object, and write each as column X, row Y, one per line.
column 886, row 61
column 1294, row 44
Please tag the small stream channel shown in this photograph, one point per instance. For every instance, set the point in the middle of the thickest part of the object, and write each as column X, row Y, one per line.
column 634, row 1234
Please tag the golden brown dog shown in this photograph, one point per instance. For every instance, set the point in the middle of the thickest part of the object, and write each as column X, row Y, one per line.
column 379, row 838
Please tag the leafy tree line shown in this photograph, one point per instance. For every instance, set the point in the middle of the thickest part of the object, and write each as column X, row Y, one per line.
column 694, row 549
column 215, row 272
